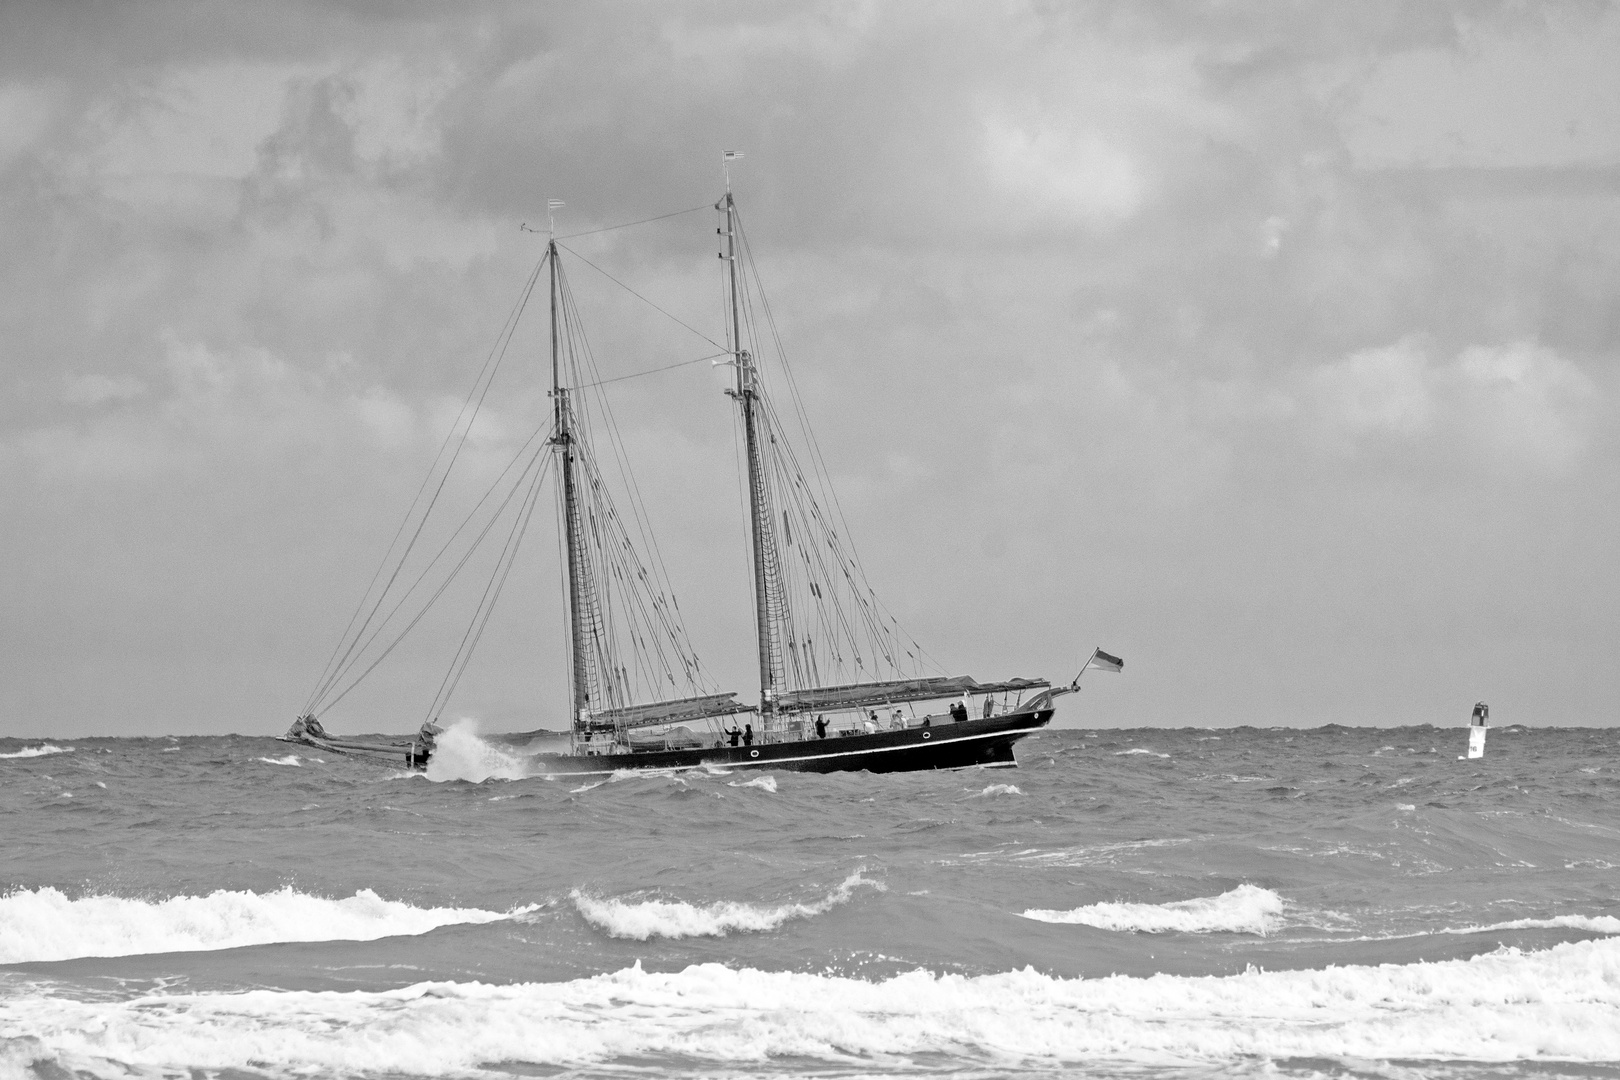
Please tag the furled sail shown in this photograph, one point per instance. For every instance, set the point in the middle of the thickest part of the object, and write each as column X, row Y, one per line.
column 896, row 691
column 674, row 711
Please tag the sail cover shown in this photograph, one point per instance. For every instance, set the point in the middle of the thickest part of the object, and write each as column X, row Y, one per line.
column 676, row 710
column 863, row 695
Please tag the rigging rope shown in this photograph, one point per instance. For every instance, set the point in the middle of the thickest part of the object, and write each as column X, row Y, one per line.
column 874, row 623
column 455, row 571
column 486, row 605
column 336, row 667
column 649, row 371
column 638, row 296
column 628, row 224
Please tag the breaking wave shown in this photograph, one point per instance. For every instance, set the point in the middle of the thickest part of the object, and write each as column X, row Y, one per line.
column 1600, row 924
column 1559, row 1004
column 764, row 783
column 43, row 925
column 38, row 751
column 1596, row 924
column 998, row 789
column 1247, row 909
column 460, row 754
column 644, row 919
column 290, row 759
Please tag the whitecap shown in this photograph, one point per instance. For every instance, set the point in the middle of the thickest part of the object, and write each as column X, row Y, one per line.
column 459, row 754
column 1556, row 1005
column 290, row 759
column 1247, row 909
column 764, row 783
column 38, row 751
column 1600, row 924
column 1139, row 750
column 44, row 924
column 644, row 919
column 998, row 789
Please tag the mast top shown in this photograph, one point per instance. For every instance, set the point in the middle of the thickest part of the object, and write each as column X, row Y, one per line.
column 552, row 206
column 726, row 158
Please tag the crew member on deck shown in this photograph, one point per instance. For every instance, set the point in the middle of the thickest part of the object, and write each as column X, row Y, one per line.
column 748, row 735
column 733, row 734
column 958, row 711
column 821, row 727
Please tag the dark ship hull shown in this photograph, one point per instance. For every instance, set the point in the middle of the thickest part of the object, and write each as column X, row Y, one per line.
column 985, row 742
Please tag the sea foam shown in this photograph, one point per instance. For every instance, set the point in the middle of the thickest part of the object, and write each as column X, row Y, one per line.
column 644, row 919
column 1559, row 1004
column 38, row 751
column 1247, row 909
column 998, row 789
column 44, row 924
column 459, row 754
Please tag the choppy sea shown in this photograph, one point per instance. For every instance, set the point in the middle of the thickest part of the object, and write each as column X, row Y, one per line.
column 1337, row 902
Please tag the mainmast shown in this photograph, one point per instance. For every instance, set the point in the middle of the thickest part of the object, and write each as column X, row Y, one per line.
column 562, row 442
column 760, row 526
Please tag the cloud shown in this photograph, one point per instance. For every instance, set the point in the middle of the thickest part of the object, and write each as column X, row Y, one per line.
column 1492, row 100
column 1131, row 317
column 1054, row 176
column 1522, row 403
column 1377, row 391
column 26, row 113
column 93, row 390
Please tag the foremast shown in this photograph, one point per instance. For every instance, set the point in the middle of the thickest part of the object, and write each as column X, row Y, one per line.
column 768, row 595
column 580, row 607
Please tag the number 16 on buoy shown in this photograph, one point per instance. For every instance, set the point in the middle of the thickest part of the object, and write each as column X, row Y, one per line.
column 1476, row 731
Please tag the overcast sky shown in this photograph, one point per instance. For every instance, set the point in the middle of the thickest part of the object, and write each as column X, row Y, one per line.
column 1269, row 346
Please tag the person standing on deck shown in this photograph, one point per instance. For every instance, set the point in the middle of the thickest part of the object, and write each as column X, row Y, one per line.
column 748, row 735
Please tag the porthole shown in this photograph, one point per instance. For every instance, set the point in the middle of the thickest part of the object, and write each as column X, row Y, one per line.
column 753, row 753
column 928, row 734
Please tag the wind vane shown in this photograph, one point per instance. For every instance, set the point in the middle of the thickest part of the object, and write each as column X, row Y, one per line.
column 725, row 163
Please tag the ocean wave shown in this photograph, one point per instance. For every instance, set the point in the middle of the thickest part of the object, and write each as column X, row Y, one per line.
column 644, row 919
column 38, row 751
column 460, row 754
column 1247, row 909
column 1139, row 750
column 1560, row 1004
column 290, row 759
column 1596, row 924
column 764, row 783
column 44, row 925
column 998, row 789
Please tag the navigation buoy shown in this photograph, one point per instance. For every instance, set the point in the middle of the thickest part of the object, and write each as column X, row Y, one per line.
column 1476, row 730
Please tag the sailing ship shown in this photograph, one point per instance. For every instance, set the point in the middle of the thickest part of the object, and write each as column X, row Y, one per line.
column 841, row 686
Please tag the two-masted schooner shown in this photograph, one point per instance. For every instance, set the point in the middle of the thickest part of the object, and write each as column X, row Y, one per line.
column 841, row 686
